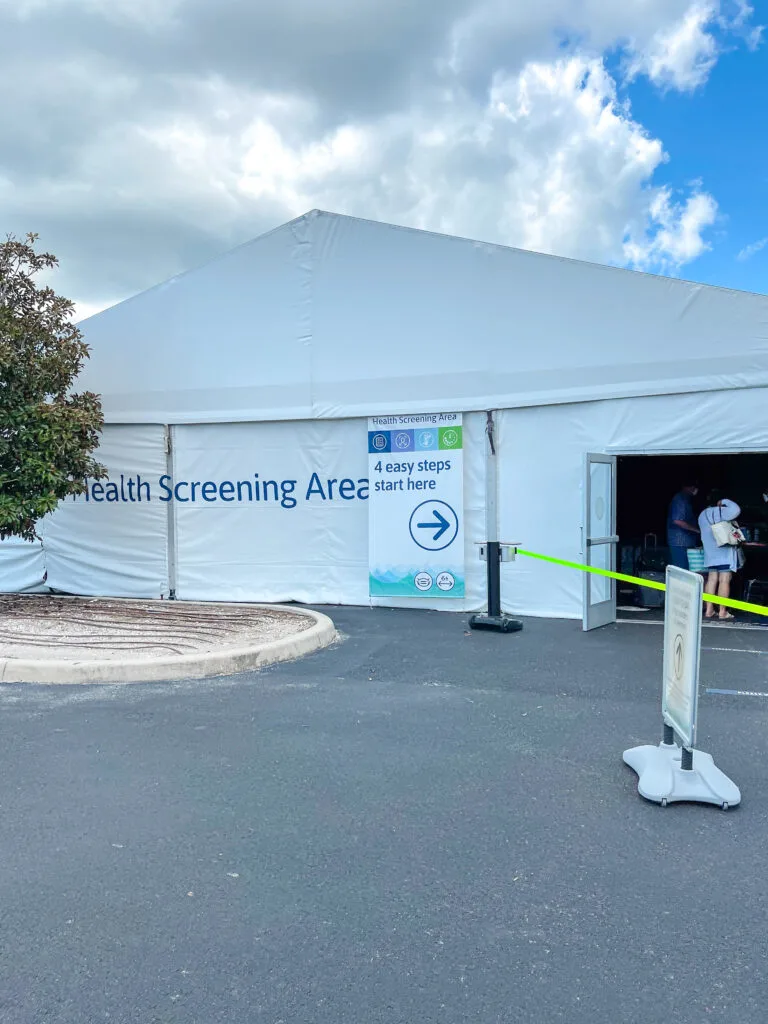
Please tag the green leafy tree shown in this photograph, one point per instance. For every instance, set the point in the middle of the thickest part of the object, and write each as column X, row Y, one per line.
column 47, row 433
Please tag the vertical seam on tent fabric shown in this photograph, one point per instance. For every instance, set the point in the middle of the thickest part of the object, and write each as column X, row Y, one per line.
column 302, row 253
column 311, row 308
column 171, row 532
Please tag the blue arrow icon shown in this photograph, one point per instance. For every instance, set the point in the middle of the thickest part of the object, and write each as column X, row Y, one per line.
column 440, row 524
column 433, row 525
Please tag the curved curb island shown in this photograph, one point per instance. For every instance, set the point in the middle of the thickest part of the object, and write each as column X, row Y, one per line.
column 226, row 660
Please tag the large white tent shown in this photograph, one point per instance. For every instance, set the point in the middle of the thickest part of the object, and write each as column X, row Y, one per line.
column 264, row 364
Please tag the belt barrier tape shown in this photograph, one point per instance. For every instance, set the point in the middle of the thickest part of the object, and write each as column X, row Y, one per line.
column 727, row 602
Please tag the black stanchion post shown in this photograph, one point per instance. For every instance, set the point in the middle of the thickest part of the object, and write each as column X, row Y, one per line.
column 493, row 576
column 493, row 619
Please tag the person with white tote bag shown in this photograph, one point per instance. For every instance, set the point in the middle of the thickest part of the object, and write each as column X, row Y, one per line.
column 722, row 540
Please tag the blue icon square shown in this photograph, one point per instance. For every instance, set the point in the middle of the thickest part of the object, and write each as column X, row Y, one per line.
column 402, row 440
column 379, row 441
column 426, row 440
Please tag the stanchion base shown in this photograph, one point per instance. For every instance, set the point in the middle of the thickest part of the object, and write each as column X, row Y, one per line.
column 498, row 623
column 663, row 781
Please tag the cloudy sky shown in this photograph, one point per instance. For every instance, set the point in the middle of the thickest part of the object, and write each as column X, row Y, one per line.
column 142, row 137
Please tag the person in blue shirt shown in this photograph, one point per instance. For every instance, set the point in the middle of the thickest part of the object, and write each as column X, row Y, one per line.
column 682, row 531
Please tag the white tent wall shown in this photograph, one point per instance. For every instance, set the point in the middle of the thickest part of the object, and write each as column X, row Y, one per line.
column 241, row 544
column 231, row 540
column 116, row 548
column 22, row 566
column 541, row 475
column 240, row 549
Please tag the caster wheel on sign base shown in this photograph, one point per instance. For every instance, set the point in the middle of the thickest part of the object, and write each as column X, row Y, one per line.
column 664, row 802
column 725, row 807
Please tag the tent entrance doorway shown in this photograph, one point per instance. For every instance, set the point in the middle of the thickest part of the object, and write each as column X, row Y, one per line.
column 645, row 486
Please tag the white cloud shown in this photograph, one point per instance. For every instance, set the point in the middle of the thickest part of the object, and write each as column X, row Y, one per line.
column 742, row 24
column 680, row 55
column 674, row 234
column 550, row 160
column 485, row 118
column 752, row 250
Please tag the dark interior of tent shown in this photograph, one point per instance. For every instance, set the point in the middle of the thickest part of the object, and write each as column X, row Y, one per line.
column 646, row 485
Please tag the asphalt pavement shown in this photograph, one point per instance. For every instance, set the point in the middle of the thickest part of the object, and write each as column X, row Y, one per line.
column 420, row 825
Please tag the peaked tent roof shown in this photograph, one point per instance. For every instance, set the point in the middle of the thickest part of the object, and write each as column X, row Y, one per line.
column 330, row 316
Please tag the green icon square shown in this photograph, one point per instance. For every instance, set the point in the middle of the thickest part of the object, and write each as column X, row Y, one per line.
column 449, row 438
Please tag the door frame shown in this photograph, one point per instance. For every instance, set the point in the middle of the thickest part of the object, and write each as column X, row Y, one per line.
column 603, row 613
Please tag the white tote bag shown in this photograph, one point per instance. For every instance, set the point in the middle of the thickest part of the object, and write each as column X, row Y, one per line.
column 726, row 533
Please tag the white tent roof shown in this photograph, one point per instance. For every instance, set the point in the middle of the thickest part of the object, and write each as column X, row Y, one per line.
column 331, row 316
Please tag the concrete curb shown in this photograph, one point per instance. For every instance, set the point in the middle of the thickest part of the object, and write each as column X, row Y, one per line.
column 224, row 662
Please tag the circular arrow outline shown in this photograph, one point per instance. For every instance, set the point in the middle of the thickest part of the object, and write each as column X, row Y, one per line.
column 454, row 513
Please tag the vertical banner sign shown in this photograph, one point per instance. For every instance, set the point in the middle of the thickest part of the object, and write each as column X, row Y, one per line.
column 416, row 506
column 682, row 646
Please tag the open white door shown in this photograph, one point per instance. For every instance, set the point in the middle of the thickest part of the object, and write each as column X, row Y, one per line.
column 600, row 539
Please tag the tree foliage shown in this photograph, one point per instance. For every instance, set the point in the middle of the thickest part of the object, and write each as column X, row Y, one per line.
column 47, row 433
